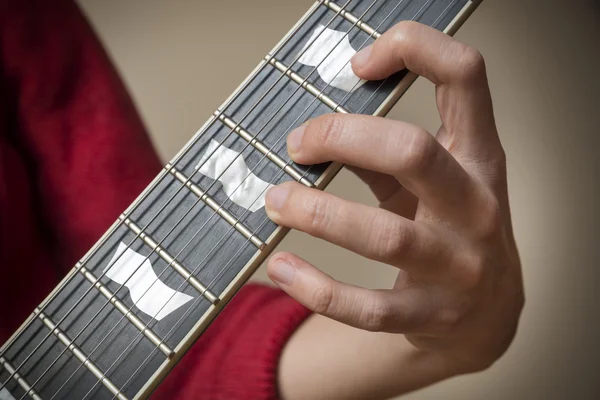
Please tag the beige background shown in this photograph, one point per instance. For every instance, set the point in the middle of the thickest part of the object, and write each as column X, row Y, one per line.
column 181, row 59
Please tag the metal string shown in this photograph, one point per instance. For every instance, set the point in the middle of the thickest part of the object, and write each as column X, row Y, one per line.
column 186, row 148
column 282, row 170
column 266, row 219
column 444, row 13
column 342, row 103
column 239, row 185
column 263, row 157
column 217, row 178
column 166, row 204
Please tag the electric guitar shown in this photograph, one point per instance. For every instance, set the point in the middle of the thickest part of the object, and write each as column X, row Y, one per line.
column 135, row 303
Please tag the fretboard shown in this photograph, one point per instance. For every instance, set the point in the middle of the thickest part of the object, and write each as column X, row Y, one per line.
column 135, row 303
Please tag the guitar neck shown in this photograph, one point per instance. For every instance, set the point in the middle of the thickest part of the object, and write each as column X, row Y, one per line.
column 134, row 304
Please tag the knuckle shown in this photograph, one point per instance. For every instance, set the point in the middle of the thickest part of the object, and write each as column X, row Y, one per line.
column 420, row 153
column 403, row 31
column 322, row 299
column 376, row 317
column 394, row 242
column 452, row 316
column 473, row 273
column 489, row 218
column 471, row 63
column 316, row 208
column 327, row 130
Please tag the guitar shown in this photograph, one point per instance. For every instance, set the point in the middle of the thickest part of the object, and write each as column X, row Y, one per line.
column 132, row 306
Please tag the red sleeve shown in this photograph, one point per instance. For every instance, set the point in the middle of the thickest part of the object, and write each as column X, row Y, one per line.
column 84, row 141
column 237, row 357
column 89, row 157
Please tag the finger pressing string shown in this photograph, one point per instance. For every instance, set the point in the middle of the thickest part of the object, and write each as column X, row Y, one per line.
column 458, row 70
column 371, row 232
column 404, row 151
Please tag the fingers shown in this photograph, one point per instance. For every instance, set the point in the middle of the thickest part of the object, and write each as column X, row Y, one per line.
column 458, row 70
column 371, row 232
column 394, row 311
column 421, row 49
column 404, row 151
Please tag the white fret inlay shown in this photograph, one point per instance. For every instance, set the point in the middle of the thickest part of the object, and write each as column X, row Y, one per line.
column 147, row 291
column 239, row 183
column 331, row 58
column 5, row 395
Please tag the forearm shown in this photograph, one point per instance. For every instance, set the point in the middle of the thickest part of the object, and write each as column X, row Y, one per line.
column 326, row 359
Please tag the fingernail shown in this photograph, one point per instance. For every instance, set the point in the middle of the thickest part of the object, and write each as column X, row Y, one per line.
column 294, row 140
column 282, row 272
column 361, row 58
column 276, row 196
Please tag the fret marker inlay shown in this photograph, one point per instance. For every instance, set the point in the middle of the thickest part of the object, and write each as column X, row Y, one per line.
column 239, row 183
column 147, row 291
column 5, row 395
column 330, row 51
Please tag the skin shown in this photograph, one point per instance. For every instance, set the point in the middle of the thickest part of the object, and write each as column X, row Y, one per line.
column 443, row 221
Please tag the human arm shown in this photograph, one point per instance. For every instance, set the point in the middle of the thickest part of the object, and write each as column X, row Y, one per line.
column 455, row 305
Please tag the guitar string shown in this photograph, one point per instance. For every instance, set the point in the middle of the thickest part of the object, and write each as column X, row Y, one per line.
column 153, row 185
column 196, row 138
column 260, row 227
column 307, row 108
column 417, row 15
column 213, row 215
column 444, row 13
column 370, row 96
column 217, row 178
column 264, row 221
column 258, row 164
column 192, row 207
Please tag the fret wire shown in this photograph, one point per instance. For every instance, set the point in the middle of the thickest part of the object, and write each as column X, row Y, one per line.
column 162, row 253
column 80, row 355
column 20, row 379
column 186, row 312
column 185, row 247
column 274, row 179
column 215, row 206
column 180, row 286
column 309, row 87
column 258, row 229
column 417, row 16
column 196, row 270
column 170, row 199
column 438, row 19
column 260, row 146
column 156, row 180
column 155, row 183
column 138, row 323
column 292, row 93
column 212, row 297
column 149, row 334
column 260, row 226
column 348, row 16
column 314, row 99
column 266, row 219
column 248, row 175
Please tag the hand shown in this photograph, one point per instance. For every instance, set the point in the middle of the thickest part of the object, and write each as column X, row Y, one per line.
column 444, row 217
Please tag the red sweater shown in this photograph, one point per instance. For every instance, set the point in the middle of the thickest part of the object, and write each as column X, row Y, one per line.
column 65, row 122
